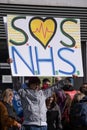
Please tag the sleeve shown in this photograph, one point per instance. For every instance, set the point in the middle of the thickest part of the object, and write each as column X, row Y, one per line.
column 22, row 92
column 5, row 119
column 49, row 91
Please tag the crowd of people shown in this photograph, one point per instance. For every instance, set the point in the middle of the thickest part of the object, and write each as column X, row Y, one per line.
column 46, row 107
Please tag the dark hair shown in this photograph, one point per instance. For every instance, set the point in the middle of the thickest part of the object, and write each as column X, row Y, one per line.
column 83, row 88
column 33, row 80
column 46, row 80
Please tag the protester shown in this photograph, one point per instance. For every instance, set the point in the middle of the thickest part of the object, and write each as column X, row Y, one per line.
column 83, row 88
column 53, row 114
column 57, row 79
column 69, row 87
column 66, row 113
column 78, row 112
column 61, row 98
column 8, row 118
column 64, row 101
column 33, row 103
column 45, row 83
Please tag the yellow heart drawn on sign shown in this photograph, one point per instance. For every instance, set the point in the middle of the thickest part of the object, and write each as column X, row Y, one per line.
column 43, row 30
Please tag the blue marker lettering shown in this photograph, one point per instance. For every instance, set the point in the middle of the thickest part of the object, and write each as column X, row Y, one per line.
column 73, row 67
column 14, row 50
column 38, row 60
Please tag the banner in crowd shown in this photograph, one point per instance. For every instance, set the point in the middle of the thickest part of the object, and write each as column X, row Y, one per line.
column 44, row 46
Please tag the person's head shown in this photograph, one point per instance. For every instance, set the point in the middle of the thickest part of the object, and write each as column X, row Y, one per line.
column 83, row 88
column 45, row 83
column 50, row 101
column 7, row 96
column 34, row 83
column 57, row 79
column 77, row 97
column 68, row 84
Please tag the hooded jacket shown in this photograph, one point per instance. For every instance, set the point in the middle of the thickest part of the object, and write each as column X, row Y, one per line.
column 34, row 107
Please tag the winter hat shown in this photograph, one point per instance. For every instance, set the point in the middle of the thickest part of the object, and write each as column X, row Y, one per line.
column 33, row 80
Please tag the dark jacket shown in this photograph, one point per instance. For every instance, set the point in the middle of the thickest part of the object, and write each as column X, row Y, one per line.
column 54, row 118
column 78, row 115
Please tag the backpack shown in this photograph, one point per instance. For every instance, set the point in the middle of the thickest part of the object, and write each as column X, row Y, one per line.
column 78, row 114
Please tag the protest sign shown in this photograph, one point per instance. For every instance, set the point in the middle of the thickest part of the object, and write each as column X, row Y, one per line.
column 44, row 46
